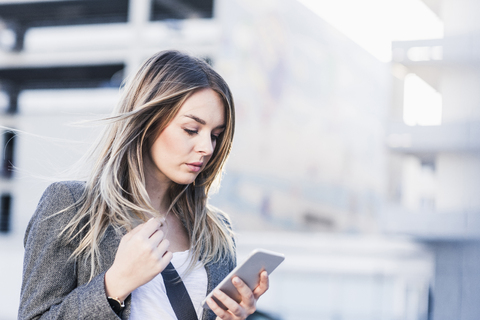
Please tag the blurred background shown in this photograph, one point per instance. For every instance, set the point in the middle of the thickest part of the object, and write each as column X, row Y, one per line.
column 357, row 150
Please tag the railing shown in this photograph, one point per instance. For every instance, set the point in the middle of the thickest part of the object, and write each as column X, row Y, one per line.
column 456, row 137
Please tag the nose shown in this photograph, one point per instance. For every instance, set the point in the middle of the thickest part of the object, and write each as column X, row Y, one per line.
column 205, row 145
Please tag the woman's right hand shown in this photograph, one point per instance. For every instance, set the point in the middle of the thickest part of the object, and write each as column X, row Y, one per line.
column 141, row 255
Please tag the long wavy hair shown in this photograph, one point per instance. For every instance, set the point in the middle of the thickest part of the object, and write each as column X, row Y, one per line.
column 115, row 193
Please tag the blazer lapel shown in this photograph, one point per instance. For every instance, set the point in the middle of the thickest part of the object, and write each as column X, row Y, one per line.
column 216, row 272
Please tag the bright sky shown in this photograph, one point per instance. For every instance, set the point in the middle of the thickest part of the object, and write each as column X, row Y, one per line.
column 374, row 24
column 422, row 104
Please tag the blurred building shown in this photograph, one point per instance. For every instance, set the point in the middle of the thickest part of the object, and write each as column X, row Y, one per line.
column 309, row 174
column 62, row 62
column 309, row 156
column 435, row 159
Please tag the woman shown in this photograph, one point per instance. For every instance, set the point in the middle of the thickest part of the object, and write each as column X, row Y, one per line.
column 97, row 249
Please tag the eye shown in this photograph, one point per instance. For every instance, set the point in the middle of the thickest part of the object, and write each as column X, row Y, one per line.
column 191, row 132
column 214, row 137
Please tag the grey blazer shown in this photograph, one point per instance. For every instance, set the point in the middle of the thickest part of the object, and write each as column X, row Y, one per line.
column 56, row 287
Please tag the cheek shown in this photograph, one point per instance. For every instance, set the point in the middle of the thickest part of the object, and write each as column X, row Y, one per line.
column 166, row 143
column 168, row 146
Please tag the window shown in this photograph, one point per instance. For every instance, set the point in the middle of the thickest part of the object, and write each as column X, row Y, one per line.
column 8, row 151
column 422, row 103
column 5, row 206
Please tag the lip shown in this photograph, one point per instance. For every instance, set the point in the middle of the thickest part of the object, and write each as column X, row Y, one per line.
column 195, row 166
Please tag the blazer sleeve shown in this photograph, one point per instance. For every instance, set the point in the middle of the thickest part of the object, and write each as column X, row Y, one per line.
column 49, row 285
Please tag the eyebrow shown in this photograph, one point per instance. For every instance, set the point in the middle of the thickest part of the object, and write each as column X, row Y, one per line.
column 191, row 116
column 201, row 121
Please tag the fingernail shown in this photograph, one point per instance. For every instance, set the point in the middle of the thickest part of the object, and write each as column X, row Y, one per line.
column 236, row 280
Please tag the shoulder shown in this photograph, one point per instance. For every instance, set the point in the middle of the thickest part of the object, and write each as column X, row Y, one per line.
column 59, row 196
column 225, row 225
column 220, row 215
column 56, row 207
column 64, row 190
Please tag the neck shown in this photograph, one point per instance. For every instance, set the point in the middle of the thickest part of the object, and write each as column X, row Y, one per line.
column 157, row 189
column 158, row 195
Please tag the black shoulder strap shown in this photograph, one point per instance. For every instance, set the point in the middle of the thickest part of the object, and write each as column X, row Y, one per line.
column 177, row 294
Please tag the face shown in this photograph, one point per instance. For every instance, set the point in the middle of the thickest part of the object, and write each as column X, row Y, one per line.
column 184, row 147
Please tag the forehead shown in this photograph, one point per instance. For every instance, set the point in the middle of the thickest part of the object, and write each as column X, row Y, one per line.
column 205, row 104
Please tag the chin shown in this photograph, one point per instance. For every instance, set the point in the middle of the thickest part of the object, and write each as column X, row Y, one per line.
column 184, row 180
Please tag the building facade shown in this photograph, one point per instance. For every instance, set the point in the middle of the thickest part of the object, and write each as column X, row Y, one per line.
column 435, row 169
column 308, row 175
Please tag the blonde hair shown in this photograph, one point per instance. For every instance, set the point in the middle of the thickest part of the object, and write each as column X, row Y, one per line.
column 115, row 193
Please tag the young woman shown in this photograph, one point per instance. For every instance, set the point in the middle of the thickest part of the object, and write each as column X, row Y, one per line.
column 97, row 249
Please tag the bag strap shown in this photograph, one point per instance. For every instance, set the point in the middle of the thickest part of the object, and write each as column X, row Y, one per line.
column 177, row 294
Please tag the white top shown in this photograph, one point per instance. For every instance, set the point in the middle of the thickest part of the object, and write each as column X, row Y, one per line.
column 150, row 301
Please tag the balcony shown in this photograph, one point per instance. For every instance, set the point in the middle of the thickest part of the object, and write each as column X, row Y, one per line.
column 462, row 225
column 21, row 16
column 454, row 137
column 430, row 58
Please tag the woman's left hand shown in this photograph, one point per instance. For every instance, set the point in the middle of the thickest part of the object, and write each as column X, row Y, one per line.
column 244, row 308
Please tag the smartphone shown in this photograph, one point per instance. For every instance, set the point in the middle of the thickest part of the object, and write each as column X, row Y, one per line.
column 249, row 272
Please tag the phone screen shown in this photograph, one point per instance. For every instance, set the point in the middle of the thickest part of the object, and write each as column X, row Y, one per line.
column 249, row 271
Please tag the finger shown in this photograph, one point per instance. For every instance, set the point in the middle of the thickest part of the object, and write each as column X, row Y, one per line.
column 135, row 230
column 149, row 227
column 262, row 286
column 233, row 307
column 221, row 314
column 157, row 237
column 164, row 261
column 248, row 299
column 162, row 247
